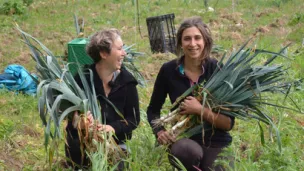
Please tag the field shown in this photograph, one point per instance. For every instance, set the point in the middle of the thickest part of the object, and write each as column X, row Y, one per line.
column 271, row 23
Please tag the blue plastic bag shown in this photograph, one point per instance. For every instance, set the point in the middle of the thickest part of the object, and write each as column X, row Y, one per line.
column 17, row 78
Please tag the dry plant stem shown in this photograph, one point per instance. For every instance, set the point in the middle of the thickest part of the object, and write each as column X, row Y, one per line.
column 87, row 133
column 202, row 118
column 79, row 121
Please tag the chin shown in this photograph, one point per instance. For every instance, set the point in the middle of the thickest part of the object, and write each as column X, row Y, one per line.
column 194, row 57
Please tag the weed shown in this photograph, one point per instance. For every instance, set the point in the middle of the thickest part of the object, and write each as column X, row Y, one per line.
column 12, row 7
column 6, row 127
column 296, row 19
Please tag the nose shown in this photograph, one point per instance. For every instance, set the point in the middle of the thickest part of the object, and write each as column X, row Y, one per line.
column 124, row 53
column 192, row 42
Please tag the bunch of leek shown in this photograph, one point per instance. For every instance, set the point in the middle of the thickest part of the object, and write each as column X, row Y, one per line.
column 237, row 89
column 60, row 97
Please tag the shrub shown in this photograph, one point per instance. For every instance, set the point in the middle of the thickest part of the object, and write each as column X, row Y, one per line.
column 14, row 7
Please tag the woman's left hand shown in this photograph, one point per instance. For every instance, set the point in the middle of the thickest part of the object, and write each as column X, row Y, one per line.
column 190, row 105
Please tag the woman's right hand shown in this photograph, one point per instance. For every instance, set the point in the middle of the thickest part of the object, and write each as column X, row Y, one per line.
column 83, row 122
column 164, row 137
column 88, row 122
column 105, row 128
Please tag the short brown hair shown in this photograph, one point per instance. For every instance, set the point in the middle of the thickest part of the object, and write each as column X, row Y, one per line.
column 202, row 27
column 101, row 42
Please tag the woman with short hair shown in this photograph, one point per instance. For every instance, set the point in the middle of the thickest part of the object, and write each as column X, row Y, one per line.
column 112, row 81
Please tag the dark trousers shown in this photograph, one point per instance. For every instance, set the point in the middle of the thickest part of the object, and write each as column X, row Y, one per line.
column 194, row 156
column 75, row 158
column 78, row 161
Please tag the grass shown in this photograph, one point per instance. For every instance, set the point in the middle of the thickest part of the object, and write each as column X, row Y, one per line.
column 21, row 131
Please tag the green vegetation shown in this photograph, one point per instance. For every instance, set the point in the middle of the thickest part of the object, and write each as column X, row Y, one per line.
column 273, row 24
column 14, row 7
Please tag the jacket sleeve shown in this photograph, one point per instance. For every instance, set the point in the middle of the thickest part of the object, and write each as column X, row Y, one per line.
column 157, row 100
column 131, row 113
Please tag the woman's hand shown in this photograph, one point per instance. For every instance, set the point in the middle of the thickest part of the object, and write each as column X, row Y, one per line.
column 164, row 137
column 88, row 122
column 190, row 106
column 105, row 128
column 90, row 119
column 83, row 122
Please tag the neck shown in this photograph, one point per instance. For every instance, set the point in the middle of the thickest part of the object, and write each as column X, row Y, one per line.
column 194, row 65
column 104, row 72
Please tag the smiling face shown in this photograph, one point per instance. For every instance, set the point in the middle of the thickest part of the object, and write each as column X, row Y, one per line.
column 115, row 57
column 192, row 43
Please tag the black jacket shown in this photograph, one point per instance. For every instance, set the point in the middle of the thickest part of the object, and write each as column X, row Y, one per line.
column 171, row 82
column 124, row 96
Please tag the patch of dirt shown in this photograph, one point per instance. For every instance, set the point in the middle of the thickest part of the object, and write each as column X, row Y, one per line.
column 126, row 29
column 233, row 17
column 236, row 27
column 273, row 25
column 53, row 12
column 7, row 41
column 235, row 36
column 22, row 59
column 277, row 23
column 263, row 29
column 300, row 122
column 163, row 56
column 14, row 111
column 27, row 130
column 243, row 147
column 11, row 163
column 266, row 12
column 151, row 69
column 37, row 33
column 214, row 23
column 2, row 102
column 282, row 32
column 111, row 7
column 261, row 14
column 63, row 40
column 257, row 155
column 87, row 29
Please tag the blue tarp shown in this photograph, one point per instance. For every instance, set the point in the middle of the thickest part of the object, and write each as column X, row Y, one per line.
column 17, row 78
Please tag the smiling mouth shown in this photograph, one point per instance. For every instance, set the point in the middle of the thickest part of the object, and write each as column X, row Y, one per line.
column 193, row 50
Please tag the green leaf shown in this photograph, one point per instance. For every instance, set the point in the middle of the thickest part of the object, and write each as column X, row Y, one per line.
column 261, row 134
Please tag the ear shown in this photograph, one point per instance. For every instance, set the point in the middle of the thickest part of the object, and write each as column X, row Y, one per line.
column 103, row 55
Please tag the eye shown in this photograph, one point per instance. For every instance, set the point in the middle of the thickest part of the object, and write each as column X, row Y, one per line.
column 198, row 37
column 187, row 38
